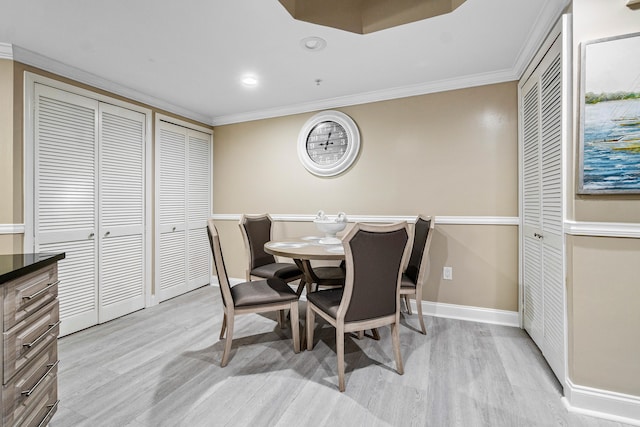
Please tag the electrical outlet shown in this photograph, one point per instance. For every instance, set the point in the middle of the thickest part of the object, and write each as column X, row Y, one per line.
column 447, row 273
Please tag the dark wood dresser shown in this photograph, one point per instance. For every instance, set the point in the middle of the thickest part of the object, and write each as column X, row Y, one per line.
column 30, row 322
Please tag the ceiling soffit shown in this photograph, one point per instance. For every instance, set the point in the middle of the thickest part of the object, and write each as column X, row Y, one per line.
column 367, row 16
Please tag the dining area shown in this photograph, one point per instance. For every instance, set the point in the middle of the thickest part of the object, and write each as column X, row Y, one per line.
column 381, row 266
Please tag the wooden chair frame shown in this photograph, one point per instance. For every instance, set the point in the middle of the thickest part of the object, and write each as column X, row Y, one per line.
column 229, row 309
column 339, row 323
column 423, row 272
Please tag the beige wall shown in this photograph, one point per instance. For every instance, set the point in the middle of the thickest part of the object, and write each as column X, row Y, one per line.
column 451, row 154
column 6, row 141
column 10, row 213
column 602, row 273
column 605, row 338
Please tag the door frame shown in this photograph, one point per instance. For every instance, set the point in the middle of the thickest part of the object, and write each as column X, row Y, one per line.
column 28, row 170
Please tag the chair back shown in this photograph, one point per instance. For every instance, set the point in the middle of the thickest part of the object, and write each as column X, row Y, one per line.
column 218, row 262
column 374, row 256
column 423, row 233
column 256, row 231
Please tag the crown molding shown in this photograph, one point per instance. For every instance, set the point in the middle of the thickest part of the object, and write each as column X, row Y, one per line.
column 6, row 51
column 56, row 67
column 373, row 96
column 546, row 20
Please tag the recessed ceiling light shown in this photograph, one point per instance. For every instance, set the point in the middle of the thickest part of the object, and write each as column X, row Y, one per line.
column 313, row 44
column 249, row 81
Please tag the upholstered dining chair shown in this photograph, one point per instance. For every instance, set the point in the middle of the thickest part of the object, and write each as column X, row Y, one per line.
column 259, row 296
column 370, row 298
column 256, row 231
column 415, row 275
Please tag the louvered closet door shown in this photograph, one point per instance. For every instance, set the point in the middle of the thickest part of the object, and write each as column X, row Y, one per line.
column 65, row 205
column 198, row 208
column 122, row 212
column 172, row 207
column 542, row 234
column 531, row 215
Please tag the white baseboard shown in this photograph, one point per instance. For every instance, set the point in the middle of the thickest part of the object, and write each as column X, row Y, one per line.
column 472, row 314
column 618, row 407
column 439, row 309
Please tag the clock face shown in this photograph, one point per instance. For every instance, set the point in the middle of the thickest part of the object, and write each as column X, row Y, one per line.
column 327, row 143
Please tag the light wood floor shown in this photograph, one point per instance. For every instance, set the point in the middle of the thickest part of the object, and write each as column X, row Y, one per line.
column 161, row 367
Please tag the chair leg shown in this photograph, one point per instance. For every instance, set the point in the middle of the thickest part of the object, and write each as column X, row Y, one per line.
column 227, row 345
column 395, row 334
column 419, row 306
column 295, row 326
column 311, row 323
column 301, row 287
column 360, row 335
column 224, row 325
column 408, row 303
column 281, row 318
column 340, row 351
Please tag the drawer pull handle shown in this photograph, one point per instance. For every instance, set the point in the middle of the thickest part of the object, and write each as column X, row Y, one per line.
column 52, row 409
column 51, row 367
column 41, row 337
column 42, row 291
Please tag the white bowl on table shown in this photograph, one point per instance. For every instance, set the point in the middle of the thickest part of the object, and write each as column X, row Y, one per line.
column 330, row 227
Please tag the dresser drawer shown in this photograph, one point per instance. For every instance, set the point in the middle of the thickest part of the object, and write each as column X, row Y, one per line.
column 25, row 295
column 29, row 338
column 31, row 387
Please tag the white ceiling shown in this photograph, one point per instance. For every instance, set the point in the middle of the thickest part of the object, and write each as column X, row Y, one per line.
column 188, row 56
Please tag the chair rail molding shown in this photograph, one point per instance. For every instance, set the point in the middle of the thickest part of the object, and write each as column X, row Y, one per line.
column 602, row 229
column 11, row 228
column 442, row 220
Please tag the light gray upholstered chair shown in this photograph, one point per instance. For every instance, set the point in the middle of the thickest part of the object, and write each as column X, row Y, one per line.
column 259, row 296
column 256, row 231
column 415, row 275
column 370, row 298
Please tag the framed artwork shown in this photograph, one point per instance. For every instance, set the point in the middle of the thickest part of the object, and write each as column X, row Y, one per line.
column 610, row 116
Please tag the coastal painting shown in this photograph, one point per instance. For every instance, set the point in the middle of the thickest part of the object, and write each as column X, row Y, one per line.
column 610, row 116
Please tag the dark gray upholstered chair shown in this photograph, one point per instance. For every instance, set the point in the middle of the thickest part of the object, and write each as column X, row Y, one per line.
column 259, row 296
column 256, row 231
column 327, row 276
column 370, row 298
column 415, row 275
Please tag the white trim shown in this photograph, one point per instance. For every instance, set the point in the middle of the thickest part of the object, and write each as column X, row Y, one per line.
column 6, row 51
column 538, row 38
column 48, row 64
column 11, row 228
column 618, row 407
column 602, row 229
column 470, row 313
column 440, row 309
column 443, row 220
column 185, row 124
column 463, row 82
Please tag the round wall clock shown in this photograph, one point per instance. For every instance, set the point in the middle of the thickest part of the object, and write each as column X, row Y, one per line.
column 328, row 143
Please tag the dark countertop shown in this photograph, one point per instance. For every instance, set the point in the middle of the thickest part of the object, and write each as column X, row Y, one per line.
column 16, row 265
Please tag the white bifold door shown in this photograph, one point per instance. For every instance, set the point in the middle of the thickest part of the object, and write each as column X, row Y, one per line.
column 89, row 202
column 183, row 193
column 542, row 238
